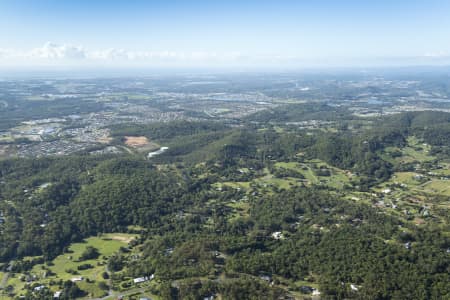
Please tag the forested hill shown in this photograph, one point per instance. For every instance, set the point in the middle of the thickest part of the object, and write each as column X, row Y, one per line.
column 357, row 209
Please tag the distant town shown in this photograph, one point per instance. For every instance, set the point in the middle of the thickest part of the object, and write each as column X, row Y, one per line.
column 61, row 117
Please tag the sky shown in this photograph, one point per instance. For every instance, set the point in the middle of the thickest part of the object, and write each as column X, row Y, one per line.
column 228, row 34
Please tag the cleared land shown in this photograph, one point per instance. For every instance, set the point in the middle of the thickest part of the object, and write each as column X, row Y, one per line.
column 136, row 141
column 65, row 266
column 140, row 143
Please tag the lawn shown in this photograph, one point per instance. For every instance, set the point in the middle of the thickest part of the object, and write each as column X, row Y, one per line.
column 241, row 185
column 445, row 171
column 284, row 183
column 304, row 169
column 441, row 187
column 107, row 244
column 14, row 280
column 413, row 154
column 337, row 179
column 415, row 151
column 405, row 178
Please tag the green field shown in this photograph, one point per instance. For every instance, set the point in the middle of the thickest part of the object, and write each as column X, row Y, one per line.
column 405, row 178
column 234, row 185
column 337, row 179
column 441, row 187
column 304, row 169
column 416, row 151
column 445, row 171
column 107, row 244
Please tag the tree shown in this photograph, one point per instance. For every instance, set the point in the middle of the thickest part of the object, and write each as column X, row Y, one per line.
column 90, row 253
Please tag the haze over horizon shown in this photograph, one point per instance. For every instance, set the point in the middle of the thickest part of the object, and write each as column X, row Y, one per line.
column 233, row 34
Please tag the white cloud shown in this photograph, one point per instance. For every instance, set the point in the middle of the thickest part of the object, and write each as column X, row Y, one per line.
column 66, row 54
column 108, row 54
column 54, row 51
column 161, row 56
column 52, row 54
column 437, row 54
column 5, row 53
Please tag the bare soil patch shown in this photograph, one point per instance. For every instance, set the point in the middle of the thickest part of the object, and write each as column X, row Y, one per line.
column 125, row 239
column 136, row 141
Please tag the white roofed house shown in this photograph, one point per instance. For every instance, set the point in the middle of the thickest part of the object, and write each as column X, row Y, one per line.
column 38, row 288
column 143, row 279
column 140, row 279
column 386, row 191
column 77, row 279
column 277, row 235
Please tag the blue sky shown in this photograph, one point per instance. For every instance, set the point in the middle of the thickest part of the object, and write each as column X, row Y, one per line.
column 302, row 32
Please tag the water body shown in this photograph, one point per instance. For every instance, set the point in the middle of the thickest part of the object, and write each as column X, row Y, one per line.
column 158, row 152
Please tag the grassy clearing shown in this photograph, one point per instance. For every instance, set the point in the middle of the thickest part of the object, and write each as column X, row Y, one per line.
column 241, row 205
column 245, row 185
column 106, row 244
column 240, row 209
column 415, row 151
column 433, row 186
column 300, row 283
column 441, row 187
column 337, row 179
column 413, row 154
column 14, row 280
column 302, row 168
column 288, row 165
column 284, row 183
column 445, row 171
column 405, row 178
